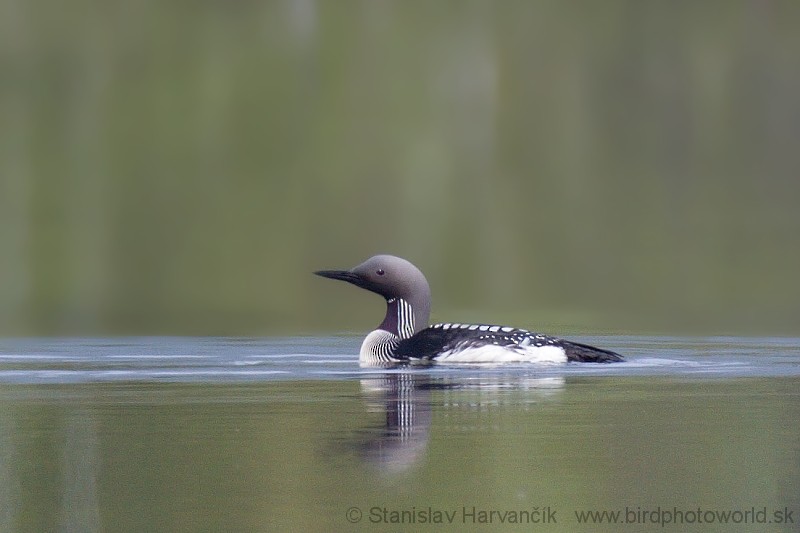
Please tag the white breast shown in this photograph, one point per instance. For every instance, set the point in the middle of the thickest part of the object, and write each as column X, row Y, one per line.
column 377, row 348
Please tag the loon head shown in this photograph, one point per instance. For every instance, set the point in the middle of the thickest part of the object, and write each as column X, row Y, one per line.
column 402, row 285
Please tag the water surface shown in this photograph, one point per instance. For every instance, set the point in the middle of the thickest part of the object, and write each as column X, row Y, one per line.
column 213, row 434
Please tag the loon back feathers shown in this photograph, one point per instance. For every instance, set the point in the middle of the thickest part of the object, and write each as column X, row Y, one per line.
column 403, row 335
column 442, row 339
column 432, row 341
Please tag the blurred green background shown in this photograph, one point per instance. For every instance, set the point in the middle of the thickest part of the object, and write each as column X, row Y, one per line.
column 181, row 167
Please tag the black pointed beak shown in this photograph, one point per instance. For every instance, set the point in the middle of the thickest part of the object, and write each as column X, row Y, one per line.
column 343, row 275
column 351, row 277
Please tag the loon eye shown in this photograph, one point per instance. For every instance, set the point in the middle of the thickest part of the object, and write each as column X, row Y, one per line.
column 380, row 272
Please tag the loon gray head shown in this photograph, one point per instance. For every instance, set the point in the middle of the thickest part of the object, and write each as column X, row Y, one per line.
column 407, row 295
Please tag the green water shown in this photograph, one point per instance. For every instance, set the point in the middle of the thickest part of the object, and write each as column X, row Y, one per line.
column 181, row 168
column 320, row 454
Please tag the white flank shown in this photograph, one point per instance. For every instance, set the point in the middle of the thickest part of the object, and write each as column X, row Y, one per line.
column 500, row 354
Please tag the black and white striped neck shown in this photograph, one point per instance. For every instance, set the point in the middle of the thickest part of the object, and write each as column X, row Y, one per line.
column 399, row 318
column 398, row 324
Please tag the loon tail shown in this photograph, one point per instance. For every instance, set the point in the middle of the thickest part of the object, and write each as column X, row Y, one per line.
column 583, row 353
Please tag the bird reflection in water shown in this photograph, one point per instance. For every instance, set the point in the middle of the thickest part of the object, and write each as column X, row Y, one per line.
column 405, row 400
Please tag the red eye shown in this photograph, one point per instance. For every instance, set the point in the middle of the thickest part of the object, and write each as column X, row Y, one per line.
column 380, row 272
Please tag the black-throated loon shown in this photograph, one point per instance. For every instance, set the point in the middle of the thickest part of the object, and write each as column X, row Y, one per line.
column 404, row 334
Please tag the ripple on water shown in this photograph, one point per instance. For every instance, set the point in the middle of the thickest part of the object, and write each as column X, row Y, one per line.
column 312, row 358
